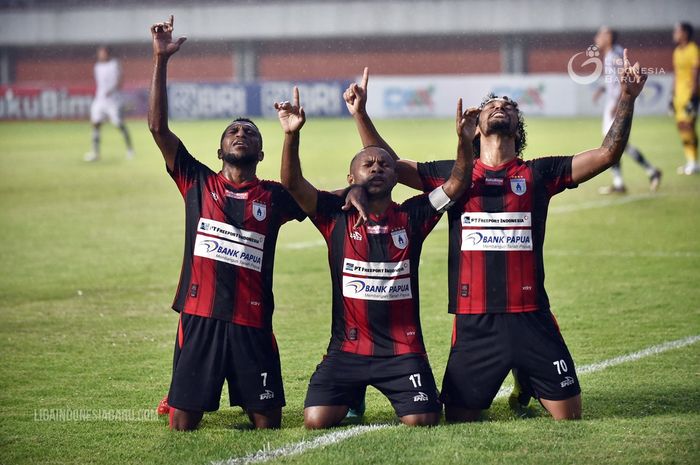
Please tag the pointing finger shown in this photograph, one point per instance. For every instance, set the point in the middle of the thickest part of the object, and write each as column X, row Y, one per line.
column 296, row 96
column 172, row 20
column 365, row 77
column 459, row 109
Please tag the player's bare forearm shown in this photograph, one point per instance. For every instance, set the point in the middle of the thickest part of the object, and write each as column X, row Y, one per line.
column 369, row 134
column 589, row 164
column 616, row 139
column 461, row 175
column 163, row 48
column 303, row 192
column 158, row 112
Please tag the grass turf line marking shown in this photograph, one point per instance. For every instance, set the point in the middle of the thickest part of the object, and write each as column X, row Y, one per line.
column 553, row 210
column 634, row 356
column 300, row 447
column 653, row 350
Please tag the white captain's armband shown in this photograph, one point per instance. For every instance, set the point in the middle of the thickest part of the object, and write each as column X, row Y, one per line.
column 439, row 200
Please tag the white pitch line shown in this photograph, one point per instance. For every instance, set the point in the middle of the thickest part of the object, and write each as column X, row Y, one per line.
column 653, row 350
column 334, row 437
column 553, row 210
column 301, row 446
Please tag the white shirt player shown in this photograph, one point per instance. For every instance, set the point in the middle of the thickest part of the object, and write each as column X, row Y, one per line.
column 107, row 75
column 612, row 65
column 106, row 104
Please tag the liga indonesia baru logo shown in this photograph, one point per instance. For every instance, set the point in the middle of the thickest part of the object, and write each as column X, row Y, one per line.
column 583, row 74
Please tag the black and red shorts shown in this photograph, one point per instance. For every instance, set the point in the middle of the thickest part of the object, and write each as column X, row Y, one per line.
column 209, row 351
column 406, row 380
column 486, row 347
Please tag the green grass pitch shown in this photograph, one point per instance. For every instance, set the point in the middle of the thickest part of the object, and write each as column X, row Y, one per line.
column 91, row 253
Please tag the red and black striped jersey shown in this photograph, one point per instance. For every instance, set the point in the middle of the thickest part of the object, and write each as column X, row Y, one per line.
column 374, row 275
column 497, row 230
column 230, row 237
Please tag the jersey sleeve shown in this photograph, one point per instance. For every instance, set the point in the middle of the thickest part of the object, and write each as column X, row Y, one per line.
column 422, row 214
column 555, row 172
column 289, row 208
column 434, row 173
column 187, row 169
column 328, row 209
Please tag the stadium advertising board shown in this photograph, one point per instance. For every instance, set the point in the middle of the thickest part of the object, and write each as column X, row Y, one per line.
column 186, row 100
column 55, row 103
column 391, row 97
column 538, row 95
column 205, row 101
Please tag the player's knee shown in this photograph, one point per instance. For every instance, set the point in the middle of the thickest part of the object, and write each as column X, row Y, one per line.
column 270, row 419
column 320, row 418
column 423, row 419
column 315, row 421
column 461, row 415
column 181, row 420
column 570, row 415
column 569, row 409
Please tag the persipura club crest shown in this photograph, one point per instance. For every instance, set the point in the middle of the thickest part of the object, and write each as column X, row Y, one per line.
column 259, row 211
column 400, row 238
column 518, row 186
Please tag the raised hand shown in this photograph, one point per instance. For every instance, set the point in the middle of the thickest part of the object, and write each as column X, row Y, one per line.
column 162, row 33
column 632, row 78
column 355, row 96
column 466, row 122
column 291, row 115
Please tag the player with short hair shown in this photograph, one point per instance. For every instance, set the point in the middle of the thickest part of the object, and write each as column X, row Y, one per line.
column 495, row 263
column 107, row 102
column 224, row 297
column 686, row 63
column 376, row 336
column 606, row 41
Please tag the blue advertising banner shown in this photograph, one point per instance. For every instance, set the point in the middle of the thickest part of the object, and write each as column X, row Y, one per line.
column 210, row 101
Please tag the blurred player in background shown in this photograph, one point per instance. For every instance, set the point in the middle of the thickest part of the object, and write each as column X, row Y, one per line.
column 606, row 41
column 503, row 319
column 107, row 103
column 376, row 336
column 686, row 61
column 225, row 295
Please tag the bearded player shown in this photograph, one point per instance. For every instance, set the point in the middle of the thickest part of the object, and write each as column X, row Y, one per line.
column 496, row 268
column 224, row 297
column 376, row 337
column 686, row 62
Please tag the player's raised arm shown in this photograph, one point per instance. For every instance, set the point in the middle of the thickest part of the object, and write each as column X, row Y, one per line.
column 292, row 118
column 461, row 176
column 163, row 49
column 588, row 164
column 356, row 100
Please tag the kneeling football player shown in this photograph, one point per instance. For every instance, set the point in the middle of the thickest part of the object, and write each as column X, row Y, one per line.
column 224, row 296
column 376, row 337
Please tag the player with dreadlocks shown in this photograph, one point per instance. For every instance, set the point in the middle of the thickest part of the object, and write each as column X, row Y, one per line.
column 496, row 268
